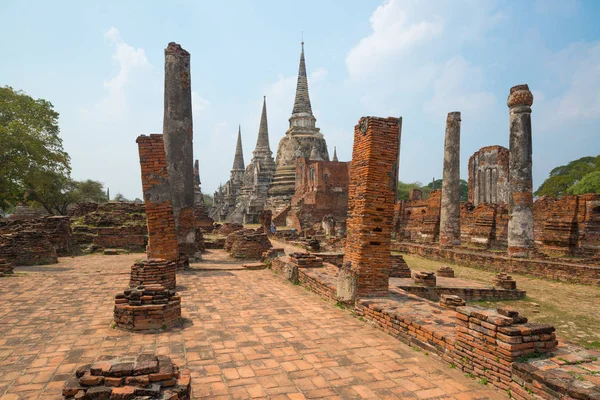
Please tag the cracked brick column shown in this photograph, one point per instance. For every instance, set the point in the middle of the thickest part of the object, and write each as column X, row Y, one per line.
column 162, row 237
column 520, row 205
column 372, row 191
column 450, row 207
column 178, row 137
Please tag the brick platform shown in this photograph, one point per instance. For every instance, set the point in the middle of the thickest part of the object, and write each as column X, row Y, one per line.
column 306, row 260
column 154, row 272
column 147, row 308
column 144, row 376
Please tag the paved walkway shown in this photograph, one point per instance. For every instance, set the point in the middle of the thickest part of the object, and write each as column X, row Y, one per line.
column 248, row 334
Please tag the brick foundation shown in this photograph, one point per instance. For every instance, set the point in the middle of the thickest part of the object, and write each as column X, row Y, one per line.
column 154, row 272
column 5, row 267
column 445, row 272
column 143, row 376
column 162, row 236
column 27, row 248
column 424, row 278
column 147, row 308
column 247, row 244
column 372, row 191
column 400, row 268
column 306, row 260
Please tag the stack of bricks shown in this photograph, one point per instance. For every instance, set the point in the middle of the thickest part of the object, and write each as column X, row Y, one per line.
column 147, row 307
column 445, row 272
column 400, row 268
column 27, row 248
column 488, row 341
column 162, row 236
column 144, row 376
column 451, row 301
column 228, row 228
column 306, row 260
column 504, row 281
column 5, row 267
column 154, row 272
column 247, row 244
column 371, row 198
column 424, row 278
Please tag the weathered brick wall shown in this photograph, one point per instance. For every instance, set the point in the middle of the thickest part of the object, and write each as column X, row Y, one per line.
column 488, row 175
column 247, row 244
column 162, row 236
column 419, row 220
column 372, row 191
column 321, row 189
column 550, row 269
column 154, row 272
column 55, row 228
column 5, row 267
column 24, row 247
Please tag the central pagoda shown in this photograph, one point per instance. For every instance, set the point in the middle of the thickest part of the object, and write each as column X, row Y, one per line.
column 302, row 139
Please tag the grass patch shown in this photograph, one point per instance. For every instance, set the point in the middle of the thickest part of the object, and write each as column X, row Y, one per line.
column 340, row 305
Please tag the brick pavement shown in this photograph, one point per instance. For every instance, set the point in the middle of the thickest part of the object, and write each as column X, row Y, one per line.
column 247, row 334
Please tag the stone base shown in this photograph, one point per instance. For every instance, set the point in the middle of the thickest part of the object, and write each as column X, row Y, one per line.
column 247, row 244
column 505, row 281
column 451, row 301
column 424, row 278
column 147, row 308
column 399, row 267
column 144, row 376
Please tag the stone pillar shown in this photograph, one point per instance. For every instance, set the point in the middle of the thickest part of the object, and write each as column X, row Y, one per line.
column 372, row 190
column 162, row 237
column 520, row 205
column 450, row 212
column 178, row 135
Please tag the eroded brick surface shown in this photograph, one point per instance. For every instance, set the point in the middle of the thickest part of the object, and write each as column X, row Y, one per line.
column 247, row 334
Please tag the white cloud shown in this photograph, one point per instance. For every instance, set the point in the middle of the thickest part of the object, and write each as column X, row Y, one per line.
column 458, row 87
column 199, row 104
column 128, row 59
column 393, row 33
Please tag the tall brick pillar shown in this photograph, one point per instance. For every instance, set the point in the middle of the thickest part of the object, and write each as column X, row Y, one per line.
column 178, row 136
column 162, row 236
column 450, row 206
column 520, row 204
column 372, row 190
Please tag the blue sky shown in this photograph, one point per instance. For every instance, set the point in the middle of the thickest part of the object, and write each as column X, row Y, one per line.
column 101, row 64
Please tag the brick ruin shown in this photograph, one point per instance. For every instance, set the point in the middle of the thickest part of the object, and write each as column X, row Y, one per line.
column 142, row 376
column 162, row 236
column 154, row 272
column 112, row 225
column 321, row 195
column 372, row 192
column 247, row 244
column 5, row 267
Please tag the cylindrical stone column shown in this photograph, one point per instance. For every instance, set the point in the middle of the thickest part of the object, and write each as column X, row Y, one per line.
column 520, row 223
column 450, row 207
column 178, row 136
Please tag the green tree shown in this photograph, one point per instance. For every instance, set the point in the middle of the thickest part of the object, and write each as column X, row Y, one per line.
column 588, row 184
column 55, row 192
column 565, row 176
column 120, row 197
column 29, row 143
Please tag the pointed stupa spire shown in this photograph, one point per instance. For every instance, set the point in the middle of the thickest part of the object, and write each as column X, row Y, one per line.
column 197, row 173
column 302, row 101
column 262, row 142
column 238, row 161
column 335, row 154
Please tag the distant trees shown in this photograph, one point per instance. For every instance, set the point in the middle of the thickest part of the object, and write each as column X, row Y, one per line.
column 577, row 177
column 404, row 189
column 33, row 164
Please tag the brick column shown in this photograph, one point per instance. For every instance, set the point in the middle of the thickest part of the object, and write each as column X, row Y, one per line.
column 520, row 204
column 372, row 190
column 162, row 236
column 178, row 137
column 450, row 207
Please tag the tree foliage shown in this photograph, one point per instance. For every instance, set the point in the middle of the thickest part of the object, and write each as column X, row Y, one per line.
column 404, row 189
column 588, row 184
column 566, row 179
column 29, row 144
